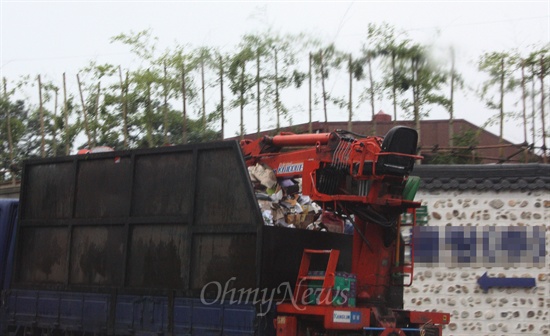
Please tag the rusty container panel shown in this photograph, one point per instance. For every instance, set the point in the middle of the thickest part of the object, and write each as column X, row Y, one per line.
column 103, row 188
column 163, row 220
column 223, row 259
column 97, row 253
column 159, row 257
column 44, row 260
column 223, row 190
column 48, row 191
column 163, row 184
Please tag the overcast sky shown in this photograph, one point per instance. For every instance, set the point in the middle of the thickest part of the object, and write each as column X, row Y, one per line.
column 52, row 37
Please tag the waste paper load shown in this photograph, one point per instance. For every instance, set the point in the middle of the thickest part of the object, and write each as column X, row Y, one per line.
column 283, row 204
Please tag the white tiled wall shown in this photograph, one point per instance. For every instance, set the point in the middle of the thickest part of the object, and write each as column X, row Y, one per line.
column 500, row 311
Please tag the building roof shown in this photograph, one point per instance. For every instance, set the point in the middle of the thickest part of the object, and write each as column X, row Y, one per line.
column 494, row 177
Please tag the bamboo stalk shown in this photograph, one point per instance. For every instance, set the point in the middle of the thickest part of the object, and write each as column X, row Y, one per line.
column 451, row 100
column 54, row 140
column 184, row 99
column 323, row 88
column 524, row 109
column 501, row 129
column 96, row 116
column 165, row 107
column 258, row 110
column 66, row 116
column 221, row 99
column 542, row 115
column 203, row 96
column 350, row 107
column 277, row 98
column 42, row 131
column 123, row 101
column 10, row 138
column 242, row 101
column 85, row 114
column 310, row 95
column 371, row 91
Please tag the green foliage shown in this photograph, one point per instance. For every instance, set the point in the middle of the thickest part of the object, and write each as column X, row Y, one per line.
column 240, row 80
column 153, row 98
column 102, row 102
column 499, row 66
column 18, row 116
column 142, row 43
column 423, row 78
column 328, row 58
column 325, row 60
column 357, row 69
column 410, row 77
column 298, row 78
column 277, row 59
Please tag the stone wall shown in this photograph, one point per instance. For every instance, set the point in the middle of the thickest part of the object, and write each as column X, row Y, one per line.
column 454, row 288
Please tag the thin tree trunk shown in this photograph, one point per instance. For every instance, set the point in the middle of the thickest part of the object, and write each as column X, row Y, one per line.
column 371, row 93
column 542, row 115
column 123, row 101
column 66, row 117
column 416, row 103
column 165, row 107
column 85, row 114
column 258, row 92
column 222, row 99
column 451, row 101
column 42, row 131
column 203, row 97
column 184, row 99
column 523, row 101
column 524, row 109
column 10, row 138
column 533, row 106
column 126, row 89
column 96, row 126
column 277, row 99
column 149, row 117
column 54, row 140
column 323, row 88
column 242, row 101
column 394, row 87
column 310, row 95
column 501, row 135
column 350, row 107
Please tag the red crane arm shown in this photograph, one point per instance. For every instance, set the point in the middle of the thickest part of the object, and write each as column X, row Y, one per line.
column 361, row 176
column 290, row 139
column 339, row 167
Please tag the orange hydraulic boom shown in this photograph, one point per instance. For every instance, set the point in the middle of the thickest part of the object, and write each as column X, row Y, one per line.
column 367, row 179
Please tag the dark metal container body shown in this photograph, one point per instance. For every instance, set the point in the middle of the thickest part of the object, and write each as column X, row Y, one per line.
column 127, row 234
column 8, row 225
column 8, row 220
column 143, row 221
